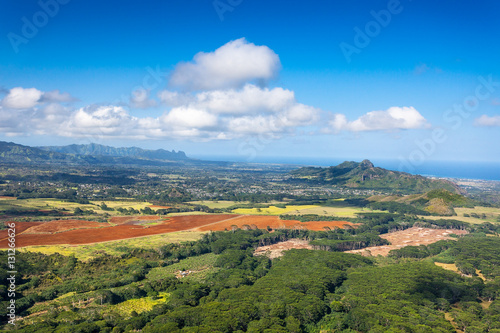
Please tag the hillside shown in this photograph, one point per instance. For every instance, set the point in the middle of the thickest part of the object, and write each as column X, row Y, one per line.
column 367, row 176
column 436, row 202
column 87, row 154
column 15, row 153
column 93, row 149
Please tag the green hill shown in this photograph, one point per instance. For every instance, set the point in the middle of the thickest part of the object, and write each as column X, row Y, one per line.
column 436, row 202
column 15, row 153
column 365, row 175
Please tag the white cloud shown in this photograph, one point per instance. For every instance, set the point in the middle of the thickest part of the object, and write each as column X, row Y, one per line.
column 55, row 96
column 187, row 117
column 26, row 98
column 230, row 66
column 300, row 115
column 98, row 120
column 391, row 119
column 485, row 120
column 140, row 99
column 249, row 100
column 21, row 98
column 212, row 115
column 174, row 98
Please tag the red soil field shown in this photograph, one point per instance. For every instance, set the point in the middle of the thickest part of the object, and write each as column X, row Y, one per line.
column 263, row 221
column 125, row 228
column 3, row 197
column 123, row 231
column 128, row 219
column 20, row 227
column 64, row 225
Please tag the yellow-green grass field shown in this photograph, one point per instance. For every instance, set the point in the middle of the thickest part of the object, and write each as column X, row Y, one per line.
column 89, row 251
column 138, row 304
column 216, row 204
column 305, row 209
column 491, row 213
column 49, row 204
column 227, row 203
column 273, row 210
column 189, row 213
column 198, row 267
column 335, row 211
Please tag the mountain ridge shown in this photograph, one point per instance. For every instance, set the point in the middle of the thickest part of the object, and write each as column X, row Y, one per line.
column 11, row 152
column 94, row 149
column 367, row 176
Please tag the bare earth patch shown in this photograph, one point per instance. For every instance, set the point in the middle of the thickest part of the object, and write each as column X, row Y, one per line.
column 276, row 250
column 63, row 225
column 413, row 236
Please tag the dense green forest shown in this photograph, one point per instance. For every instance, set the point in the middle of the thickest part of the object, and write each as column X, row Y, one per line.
column 303, row 291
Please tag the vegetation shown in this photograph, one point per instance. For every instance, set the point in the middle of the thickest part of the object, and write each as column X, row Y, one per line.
column 365, row 175
column 212, row 282
column 326, row 291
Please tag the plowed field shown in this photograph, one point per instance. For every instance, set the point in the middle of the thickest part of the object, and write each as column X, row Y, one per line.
column 76, row 232
column 64, row 225
column 274, row 222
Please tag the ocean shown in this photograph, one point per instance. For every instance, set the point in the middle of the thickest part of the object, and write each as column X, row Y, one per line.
column 447, row 169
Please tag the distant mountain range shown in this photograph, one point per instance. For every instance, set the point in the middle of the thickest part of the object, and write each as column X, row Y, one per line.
column 94, row 149
column 88, row 154
column 365, row 175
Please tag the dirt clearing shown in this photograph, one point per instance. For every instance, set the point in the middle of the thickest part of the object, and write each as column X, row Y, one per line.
column 276, row 250
column 413, row 236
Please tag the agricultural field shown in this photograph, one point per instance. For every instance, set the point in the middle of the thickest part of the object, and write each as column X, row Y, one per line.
column 333, row 211
column 473, row 215
column 191, row 269
column 273, row 210
column 55, row 204
column 77, row 232
column 271, row 221
column 131, row 229
column 188, row 213
column 217, row 204
column 57, row 226
column 89, row 251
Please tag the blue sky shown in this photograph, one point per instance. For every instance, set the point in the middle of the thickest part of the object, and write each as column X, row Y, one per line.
column 274, row 79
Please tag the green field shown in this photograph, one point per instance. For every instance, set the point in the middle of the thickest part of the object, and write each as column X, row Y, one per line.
column 200, row 267
column 492, row 215
column 137, row 304
column 335, row 211
column 86, row 252
column 50, row 204
column 305, row 209
column 188, row 213
column 273, row 210
column 217, row 204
